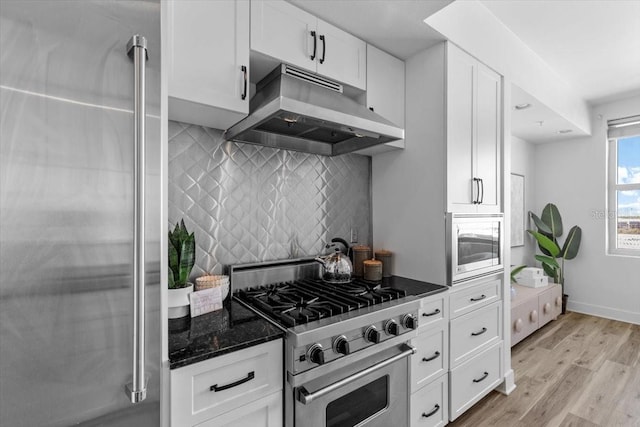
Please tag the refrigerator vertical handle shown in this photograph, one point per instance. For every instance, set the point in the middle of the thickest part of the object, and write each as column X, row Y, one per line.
column 137, row 50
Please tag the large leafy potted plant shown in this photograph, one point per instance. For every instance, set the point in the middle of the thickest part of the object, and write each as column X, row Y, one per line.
column 549, row 228
column 182, row 255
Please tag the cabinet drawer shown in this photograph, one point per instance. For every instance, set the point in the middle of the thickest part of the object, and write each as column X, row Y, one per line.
column 431, row 359
column 429, row 404
column 265, row 412
column 207, row 389
column 431, row 311
column 473, row 297
column 524, row 320
column 472, row 380
column 473, row 331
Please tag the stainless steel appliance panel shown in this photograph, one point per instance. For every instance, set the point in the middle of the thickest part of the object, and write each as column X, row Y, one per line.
column 66, row 212
column 474, row 245
column 374, row 397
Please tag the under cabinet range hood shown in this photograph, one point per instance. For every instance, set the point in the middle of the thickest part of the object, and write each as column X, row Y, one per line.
column 298, row 110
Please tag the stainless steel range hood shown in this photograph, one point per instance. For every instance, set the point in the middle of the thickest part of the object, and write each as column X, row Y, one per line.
column 298, row 110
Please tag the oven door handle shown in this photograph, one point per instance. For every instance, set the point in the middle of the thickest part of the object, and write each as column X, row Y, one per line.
column 305, row 397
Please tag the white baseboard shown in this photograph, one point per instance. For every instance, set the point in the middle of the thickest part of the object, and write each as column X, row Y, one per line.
column 602, row 311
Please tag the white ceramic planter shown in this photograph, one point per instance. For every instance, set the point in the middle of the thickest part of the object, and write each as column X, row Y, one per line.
column 178, row 301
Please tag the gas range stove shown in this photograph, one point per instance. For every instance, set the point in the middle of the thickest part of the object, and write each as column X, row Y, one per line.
column 302, row 301
column 328, row 325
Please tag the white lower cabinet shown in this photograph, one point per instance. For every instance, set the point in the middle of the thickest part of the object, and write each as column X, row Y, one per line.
column 265, row 412
column 472, row 380
column 231, row 389
column 430, row 364
column 429, row 404
column 475, row 342
column 474, row 331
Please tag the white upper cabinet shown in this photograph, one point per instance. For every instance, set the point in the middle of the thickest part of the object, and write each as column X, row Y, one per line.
column 282, row 31
column 473, row 134
column 208, row 57
column 385, row 93
column 289, row 34
column 488, row 138
column 341, row 56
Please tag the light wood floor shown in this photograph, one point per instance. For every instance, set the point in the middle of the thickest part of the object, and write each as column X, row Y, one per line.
column 579, row 370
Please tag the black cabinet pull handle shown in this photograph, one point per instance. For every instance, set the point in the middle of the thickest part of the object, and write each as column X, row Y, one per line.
column 371, row 108
column 315, row 42
column 251, row 375
column 433, row 411
column 486, row 374
column 482, row 331
column 429, row 359
column 482, row 191
column 244, row 90
column 477, row 196
column 480, row 298
column 433, row 313
column 324, row 48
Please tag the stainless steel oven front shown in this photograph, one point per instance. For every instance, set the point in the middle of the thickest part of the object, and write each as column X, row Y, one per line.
column 373, row 392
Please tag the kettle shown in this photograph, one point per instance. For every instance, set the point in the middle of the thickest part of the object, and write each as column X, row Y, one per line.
column 337, row 267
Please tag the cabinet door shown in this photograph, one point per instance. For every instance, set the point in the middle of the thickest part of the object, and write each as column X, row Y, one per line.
column 556, row 296
column 546, row 311
column 461, row 189
column 341, row 56
column 488, row 136
column 265, row 412
column 208, row 46
column 429, row 405
column 524, row 320
column 385, row 86
column 282, row 31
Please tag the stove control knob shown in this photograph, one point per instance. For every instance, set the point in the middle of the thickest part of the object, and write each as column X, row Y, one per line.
column 391, row 327
column 372, row 334
column 316, row 354
column 341, row 345
column 409, row 321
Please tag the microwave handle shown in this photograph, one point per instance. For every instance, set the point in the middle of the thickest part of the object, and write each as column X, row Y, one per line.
column 305, row 397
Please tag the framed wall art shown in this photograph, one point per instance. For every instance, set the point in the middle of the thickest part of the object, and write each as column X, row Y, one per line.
column 517, row 210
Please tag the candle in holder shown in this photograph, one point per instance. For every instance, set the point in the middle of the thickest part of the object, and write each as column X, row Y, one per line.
column 372, row 270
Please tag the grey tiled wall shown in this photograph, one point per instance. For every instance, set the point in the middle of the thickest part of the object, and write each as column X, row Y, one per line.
column 248, row 203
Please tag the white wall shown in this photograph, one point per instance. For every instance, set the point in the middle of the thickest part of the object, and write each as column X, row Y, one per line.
column 572, row 174
column 523, row 163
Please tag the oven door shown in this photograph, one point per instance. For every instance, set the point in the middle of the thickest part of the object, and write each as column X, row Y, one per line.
column 374, row 396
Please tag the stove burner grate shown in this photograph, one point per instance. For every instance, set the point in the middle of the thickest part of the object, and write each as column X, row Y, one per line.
column 303, row 301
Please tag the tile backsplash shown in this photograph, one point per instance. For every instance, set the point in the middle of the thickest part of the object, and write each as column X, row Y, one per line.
column 248, row 203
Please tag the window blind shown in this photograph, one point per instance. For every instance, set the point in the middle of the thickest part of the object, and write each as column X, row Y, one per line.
column 620, row 128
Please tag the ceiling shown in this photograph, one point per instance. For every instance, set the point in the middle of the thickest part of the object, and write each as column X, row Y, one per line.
column 593, row 45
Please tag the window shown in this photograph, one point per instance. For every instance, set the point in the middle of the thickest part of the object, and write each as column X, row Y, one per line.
column 624, row 186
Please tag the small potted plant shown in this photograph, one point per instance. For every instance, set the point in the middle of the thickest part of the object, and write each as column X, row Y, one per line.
column 182, row 255
column 549, row 227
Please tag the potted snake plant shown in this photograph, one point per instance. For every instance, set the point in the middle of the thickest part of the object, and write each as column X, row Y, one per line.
column 549, row 228
column 182, row 251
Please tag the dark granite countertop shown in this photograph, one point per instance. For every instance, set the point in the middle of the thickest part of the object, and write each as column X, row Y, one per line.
column 413, row 287
column 236, row 327
column 232, row 328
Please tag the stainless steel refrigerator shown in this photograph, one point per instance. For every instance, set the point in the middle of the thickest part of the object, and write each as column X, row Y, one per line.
column 79, row 213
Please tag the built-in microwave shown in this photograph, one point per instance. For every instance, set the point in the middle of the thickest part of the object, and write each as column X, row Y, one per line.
column 474, row 246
